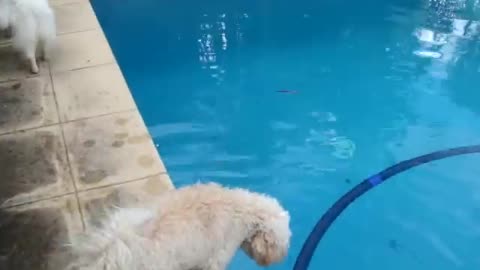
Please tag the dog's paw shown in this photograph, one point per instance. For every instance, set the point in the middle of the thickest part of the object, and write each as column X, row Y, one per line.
column 34, row 70
column 33, row 66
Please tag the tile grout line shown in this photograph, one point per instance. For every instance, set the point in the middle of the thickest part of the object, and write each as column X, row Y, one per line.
column 121, row 182
column 85, row 67
column 10, row 80
column 77, row 31
column 68, row 121
column 37, row 200
column 70, row 170
column 114, row 62
column 92, row 66
column 97, row 116
column 27, row 77
column 67, row 4
column 84, row 190
column 28, row 129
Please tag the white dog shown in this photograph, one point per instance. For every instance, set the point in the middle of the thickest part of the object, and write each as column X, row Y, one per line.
column 33, row 25
column 195, row 227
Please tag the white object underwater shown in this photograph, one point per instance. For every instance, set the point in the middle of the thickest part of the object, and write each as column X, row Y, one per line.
column 427, row 54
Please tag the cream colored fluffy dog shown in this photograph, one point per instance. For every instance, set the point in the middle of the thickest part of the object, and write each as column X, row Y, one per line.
column 195, row 227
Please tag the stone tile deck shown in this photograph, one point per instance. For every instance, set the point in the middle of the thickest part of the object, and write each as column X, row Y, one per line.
column 72, row 144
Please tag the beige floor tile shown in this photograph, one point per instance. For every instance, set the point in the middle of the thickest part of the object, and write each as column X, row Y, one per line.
column 34, row 166
column 80, row 50
column 92, row 91
column 75, row 17
column 97, row 203
column 13, row 66
column 34, row 236
column 111, row 149
column 27, row 103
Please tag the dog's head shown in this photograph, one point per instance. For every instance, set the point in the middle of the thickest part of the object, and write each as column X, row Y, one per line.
column 270, row 242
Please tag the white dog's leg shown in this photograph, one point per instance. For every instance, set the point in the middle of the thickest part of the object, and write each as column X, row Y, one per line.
column 33, row 65
column 25, row 37
column 29, row 51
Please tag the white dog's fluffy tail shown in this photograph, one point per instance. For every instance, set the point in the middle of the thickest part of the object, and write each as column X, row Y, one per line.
column 33, row 22
column 47, row 31
column 115, row 244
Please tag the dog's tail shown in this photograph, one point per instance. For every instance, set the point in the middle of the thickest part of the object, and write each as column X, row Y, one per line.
column 32, row 22
column 117, row 242
column 46, row 29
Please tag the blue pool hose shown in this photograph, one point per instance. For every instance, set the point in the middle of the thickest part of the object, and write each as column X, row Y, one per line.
column 303, row 259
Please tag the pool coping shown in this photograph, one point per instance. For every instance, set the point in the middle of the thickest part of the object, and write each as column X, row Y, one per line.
column 79, row 107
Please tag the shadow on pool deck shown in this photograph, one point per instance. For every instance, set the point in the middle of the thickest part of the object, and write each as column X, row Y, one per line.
column 72, row 144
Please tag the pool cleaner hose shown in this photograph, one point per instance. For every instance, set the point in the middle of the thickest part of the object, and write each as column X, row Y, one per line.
column 303, row 259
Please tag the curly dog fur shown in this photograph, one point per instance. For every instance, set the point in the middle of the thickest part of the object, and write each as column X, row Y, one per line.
column 195, row 227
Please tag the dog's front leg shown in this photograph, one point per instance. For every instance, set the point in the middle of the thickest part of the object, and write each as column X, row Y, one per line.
column 33, row 65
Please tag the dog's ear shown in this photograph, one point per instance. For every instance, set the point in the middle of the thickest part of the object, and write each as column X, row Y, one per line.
column 264, row 248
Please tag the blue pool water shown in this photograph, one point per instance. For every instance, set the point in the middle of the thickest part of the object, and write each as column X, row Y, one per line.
column 303, row 99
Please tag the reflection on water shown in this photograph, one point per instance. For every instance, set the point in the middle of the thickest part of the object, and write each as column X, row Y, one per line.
column 304, row 100
column 213, row 41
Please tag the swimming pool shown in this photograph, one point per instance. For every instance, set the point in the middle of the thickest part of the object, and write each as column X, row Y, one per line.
column 303, row 99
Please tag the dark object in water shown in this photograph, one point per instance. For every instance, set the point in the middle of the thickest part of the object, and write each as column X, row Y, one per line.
column 287, row 91
column 393, row 244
